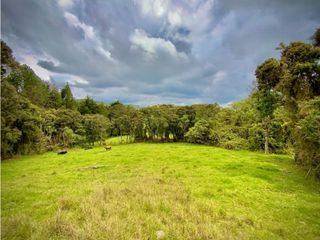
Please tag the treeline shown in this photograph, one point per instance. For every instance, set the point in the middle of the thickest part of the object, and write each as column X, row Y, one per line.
column 282, row 114
column 292, row 84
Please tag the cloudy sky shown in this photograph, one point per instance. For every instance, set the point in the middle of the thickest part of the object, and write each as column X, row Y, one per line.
column 154, row 51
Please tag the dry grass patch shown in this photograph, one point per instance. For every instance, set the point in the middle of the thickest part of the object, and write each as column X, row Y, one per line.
column 137, row 210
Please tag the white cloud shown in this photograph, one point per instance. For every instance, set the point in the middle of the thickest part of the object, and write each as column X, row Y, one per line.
column 65, row 3
column 199, row 20
column 195, row 15
column 75, row 22
column 153, row 46
column 32, row 61
column 90, row 35
column 73, row 79
column 175, row 17
column 61, row 79
column 160, row 7
column 104, row 52
column 46, row 75
column 157, row 8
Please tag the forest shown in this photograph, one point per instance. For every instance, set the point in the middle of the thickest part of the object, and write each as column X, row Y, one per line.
column 281, row 114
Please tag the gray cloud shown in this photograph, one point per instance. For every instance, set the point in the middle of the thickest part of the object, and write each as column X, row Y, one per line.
column 145, row 52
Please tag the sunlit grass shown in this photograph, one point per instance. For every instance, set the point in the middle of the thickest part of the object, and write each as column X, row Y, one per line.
column 133, row 191
column 119, row 140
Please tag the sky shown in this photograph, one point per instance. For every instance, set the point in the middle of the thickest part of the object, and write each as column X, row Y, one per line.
column 146, row 52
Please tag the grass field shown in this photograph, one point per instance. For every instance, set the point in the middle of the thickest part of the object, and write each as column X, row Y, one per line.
column 136, row 190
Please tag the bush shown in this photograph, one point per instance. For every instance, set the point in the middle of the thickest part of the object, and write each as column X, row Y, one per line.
column 200, row 133
column 307, row 133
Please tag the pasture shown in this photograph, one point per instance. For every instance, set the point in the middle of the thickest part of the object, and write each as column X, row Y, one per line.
column 164, row 191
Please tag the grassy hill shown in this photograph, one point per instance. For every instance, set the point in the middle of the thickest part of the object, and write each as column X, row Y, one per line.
column 137, row 191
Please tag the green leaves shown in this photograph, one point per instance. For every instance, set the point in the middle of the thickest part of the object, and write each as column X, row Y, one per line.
column 96, row 127
column 268, row 74
column 200, row 133
column 297, row 77
column 309, row 124
column 20, row 123
column 89, row 106
column 67, row 98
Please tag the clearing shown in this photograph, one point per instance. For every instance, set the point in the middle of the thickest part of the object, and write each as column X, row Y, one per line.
column 181, row 191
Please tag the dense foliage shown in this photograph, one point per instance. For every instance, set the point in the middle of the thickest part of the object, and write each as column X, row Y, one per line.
column 282, row 114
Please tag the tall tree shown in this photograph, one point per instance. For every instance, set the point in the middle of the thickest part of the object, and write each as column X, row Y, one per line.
column 88, row 106
column 54, row 99
column 116, row 111
column 96, row 127
column 20, row 123
column 300, row 85
column 7, row 60
column 316, row 38
column 268, row 76
column 28, row 84
column 67, row 97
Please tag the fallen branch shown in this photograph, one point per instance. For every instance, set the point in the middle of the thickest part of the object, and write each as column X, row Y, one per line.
column 310, row 169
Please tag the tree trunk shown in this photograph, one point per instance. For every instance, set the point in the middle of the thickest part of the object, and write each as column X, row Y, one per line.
column 266, row 124
column 266, row 143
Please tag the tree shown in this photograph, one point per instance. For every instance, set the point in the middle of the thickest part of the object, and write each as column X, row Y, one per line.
column 307, row 132
column 180, row 120
column 300, row 78
column 116, row 110
column 225, row 130
column 67, row 98
column 7, row 60
column 200, row 133
column 299, row 85
column 316, row 38
column 49, row 129
column 205, row 111
column 136, row 124
column 155, row 123
column 68, row 119
column 268, row 76
column 11, row 105
column 54, row 99
column 28, row 84
column 88, row 106
column 96, row 127
column 20, row 123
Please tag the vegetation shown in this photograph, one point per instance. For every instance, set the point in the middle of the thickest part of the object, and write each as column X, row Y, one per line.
column 280, row 115
column 296, row 78
column 187, row 191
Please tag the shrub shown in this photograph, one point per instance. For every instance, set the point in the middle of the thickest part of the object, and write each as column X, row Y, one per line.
column 200, row 133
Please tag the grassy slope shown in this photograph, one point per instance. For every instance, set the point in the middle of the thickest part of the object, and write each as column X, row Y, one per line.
column 187, row 191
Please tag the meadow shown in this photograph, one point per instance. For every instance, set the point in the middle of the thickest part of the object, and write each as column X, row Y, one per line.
column 164, row 191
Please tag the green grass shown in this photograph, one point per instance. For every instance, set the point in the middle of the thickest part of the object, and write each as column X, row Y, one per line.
column 118, row 140
column 187, row 191
column 114, row 140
